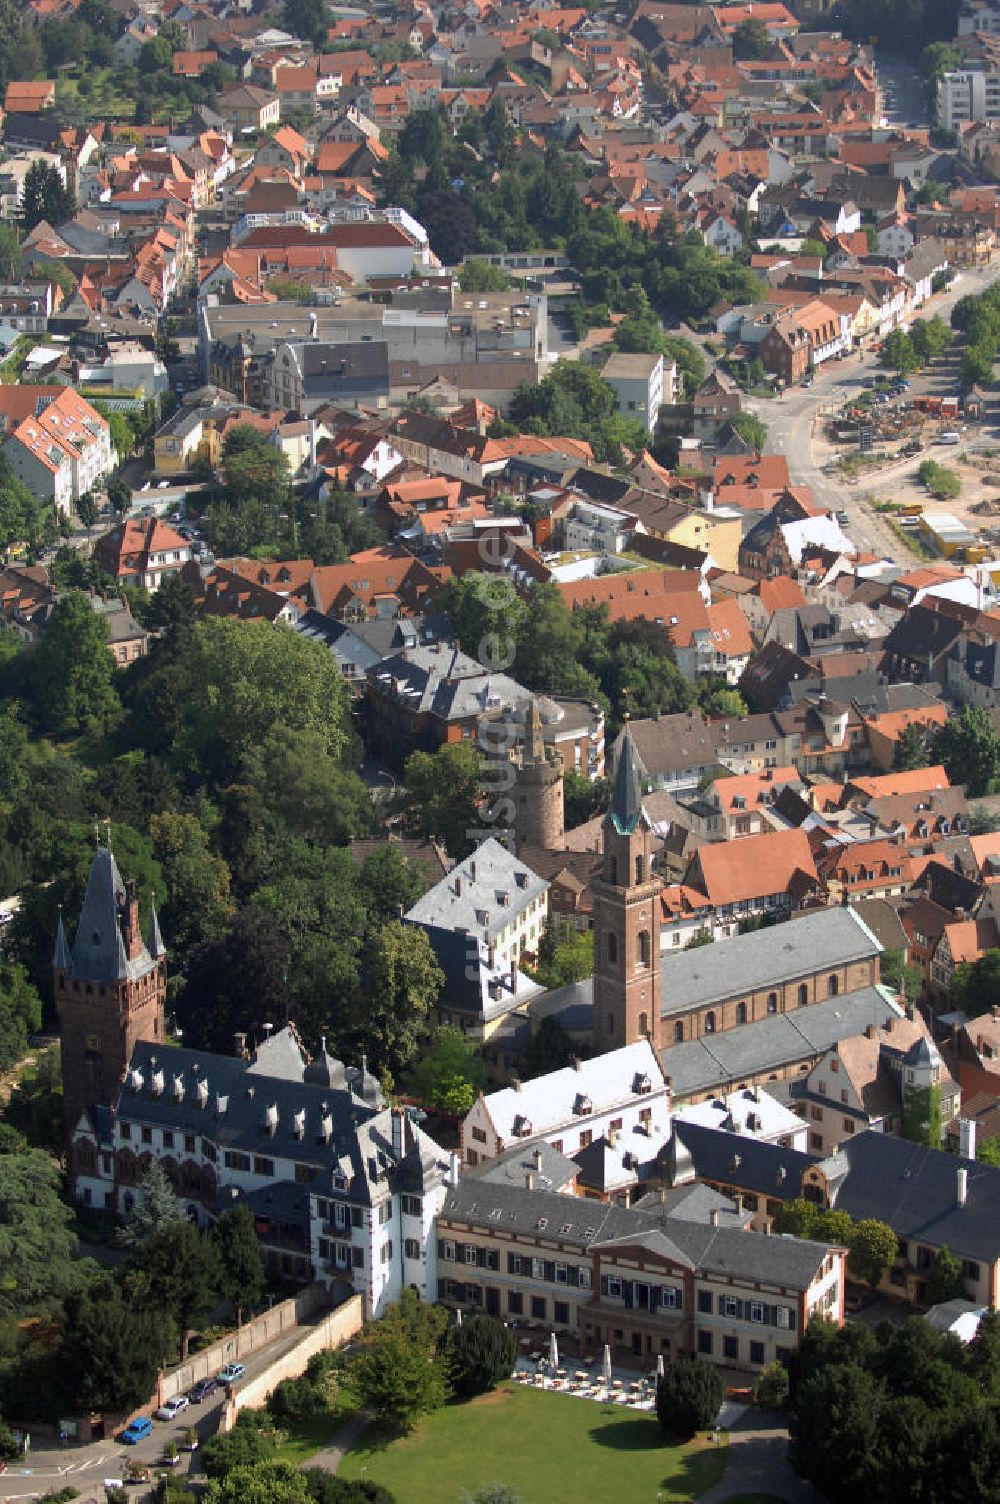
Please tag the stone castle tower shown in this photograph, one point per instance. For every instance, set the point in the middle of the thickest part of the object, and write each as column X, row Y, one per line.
column 627, row 919
column 538, row 790
column 109, row 987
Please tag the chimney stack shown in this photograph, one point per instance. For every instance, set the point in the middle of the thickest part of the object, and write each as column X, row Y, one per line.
column 961, row 1186
column 529, row 1180
column 714, row 1217
column 537, row 1158
column 453, row 1168
column 398, row 1132
column 241, row 1046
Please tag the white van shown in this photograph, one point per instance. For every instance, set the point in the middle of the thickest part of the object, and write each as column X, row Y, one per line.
column 950, row 437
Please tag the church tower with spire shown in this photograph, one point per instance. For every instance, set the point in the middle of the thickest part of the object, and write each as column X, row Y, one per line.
column 626, row 918
column 539, row 818
column 110, row 987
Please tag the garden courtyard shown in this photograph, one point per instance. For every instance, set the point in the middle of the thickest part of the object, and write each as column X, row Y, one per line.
column 550, row 1448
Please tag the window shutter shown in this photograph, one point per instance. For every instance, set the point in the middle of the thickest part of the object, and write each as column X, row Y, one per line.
column 604, row 1284
column 550, row 1271
column 512, row 1263
column 722, row 1305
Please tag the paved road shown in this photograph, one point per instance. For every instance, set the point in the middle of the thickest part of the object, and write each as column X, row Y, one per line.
column 50, row 1466
column 793, row 420
column 757, row 1463
column 905, row 92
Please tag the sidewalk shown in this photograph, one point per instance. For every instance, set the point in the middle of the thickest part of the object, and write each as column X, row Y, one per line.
column 349, row 1434
column 757, row 1463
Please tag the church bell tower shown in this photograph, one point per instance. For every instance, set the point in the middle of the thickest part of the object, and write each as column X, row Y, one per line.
column 627, row 918
column 109, row 987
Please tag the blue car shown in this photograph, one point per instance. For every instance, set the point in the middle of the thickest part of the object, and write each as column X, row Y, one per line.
column 137, row 1430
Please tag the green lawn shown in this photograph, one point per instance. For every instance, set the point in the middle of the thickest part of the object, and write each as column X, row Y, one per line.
column 305, row 1437
column 550, row 1448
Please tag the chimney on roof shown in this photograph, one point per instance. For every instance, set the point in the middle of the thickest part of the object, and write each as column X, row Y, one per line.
column 241, row 1046
column 453, row 1168
column 714, row 1217
column 961, row 1186
column 529, row 1180
column 537, row 1158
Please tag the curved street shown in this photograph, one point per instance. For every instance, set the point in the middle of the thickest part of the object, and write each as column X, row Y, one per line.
column 793, row 424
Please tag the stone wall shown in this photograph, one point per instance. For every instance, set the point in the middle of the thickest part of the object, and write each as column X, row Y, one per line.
column 332, row 1330
column 238, row 1345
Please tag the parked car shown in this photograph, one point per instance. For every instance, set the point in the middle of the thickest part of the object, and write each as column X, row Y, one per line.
column 202, row 1390
column 172, row 1408
column 231, row 1373
column 136, row 1430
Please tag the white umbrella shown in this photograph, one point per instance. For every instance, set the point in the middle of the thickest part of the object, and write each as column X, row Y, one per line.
column 606, row 1365
column 458, row 1316
column 553, row 1351
column 660, row 1369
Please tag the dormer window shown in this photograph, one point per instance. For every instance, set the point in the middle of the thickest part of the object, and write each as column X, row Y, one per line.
column 583, row 1104
column 522, row 1126
column 642, row 1085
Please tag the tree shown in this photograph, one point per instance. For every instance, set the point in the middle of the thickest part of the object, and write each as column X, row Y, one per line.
column 44, row 195
column 441, row 795
column 242, row 1276
column 401, row 1373
column 701, row 937
column 402, row 982
column 119, row 496
column 325, row 1488
column 688, row 1398
column 243, row 1446
column 903, row 976
column 565, row 954
column 270, row 1482
column 910, row 751
column 834, row 1422
column 181, row 1270
column 944, row 1278
column 575, row 401
column 975, row 987
column 73, row 671
column 988, row 1152
column 976, row 365
column 898, row 353
column 482, row 1353
column 719, row 702
column 751, row 429
column 487, row 615
column 57, row 273
column 87, row 509
column 480, row 276
column 549, row 1048
column 199, row 904
column 771, row 1389
column 969, row 748
column 751, row 41
column 449, row 1075
column 20, row 1011
column 797, row 1217
column 10, row 254
column 874, row 1245
column 37, row 1243
column 113, row 1345
column 940, row 481
column 583, row 798
column 156, row 1207
column 235, row 984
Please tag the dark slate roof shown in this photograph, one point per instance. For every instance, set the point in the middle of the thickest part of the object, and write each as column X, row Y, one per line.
column 550, row 1170
column 764, row 958
column 914, row 1189
column 582, row 1224
column 723, row 1060
column 737, row 1159
column 99, row 953
column 264, row 1106
column 626, row 801
column 921, row 633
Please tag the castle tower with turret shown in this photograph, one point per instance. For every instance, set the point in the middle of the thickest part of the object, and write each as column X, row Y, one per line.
column 110, row 987
column 627, row 918
column 538, row 790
